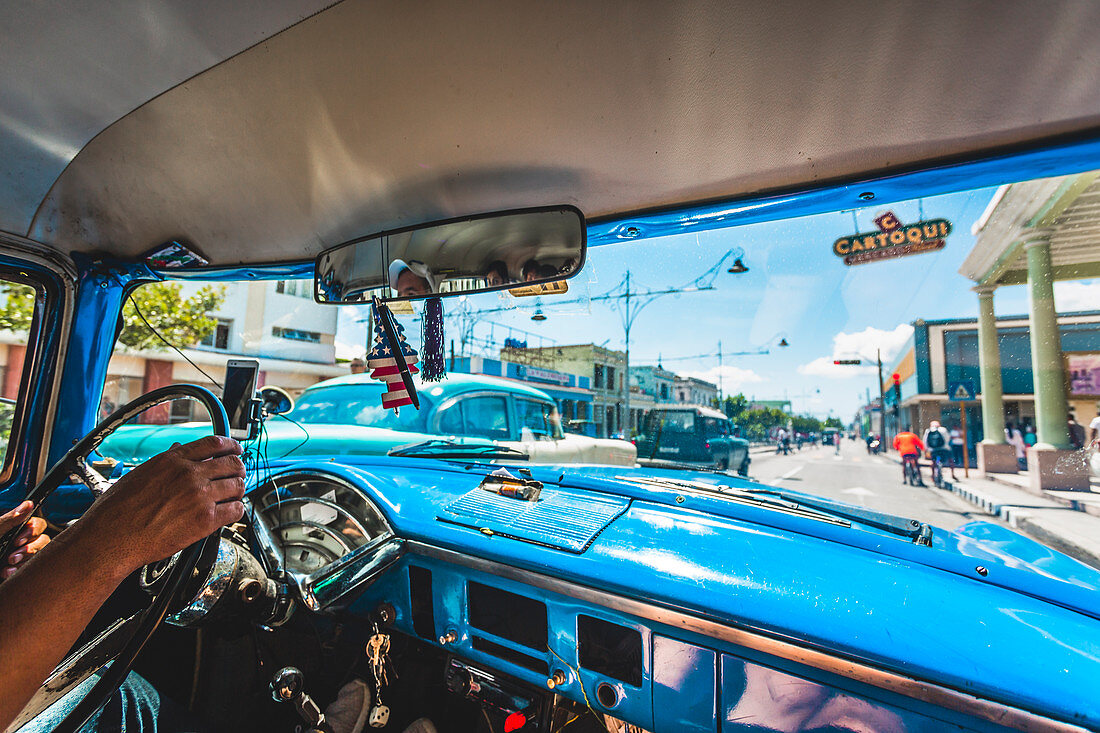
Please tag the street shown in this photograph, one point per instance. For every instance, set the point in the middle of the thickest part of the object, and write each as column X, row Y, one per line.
column 855, row 477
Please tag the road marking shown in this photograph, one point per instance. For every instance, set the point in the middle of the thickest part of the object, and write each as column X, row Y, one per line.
column 858, row 491
column 792, row 472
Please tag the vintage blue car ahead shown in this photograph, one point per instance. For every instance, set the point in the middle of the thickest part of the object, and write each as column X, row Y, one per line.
column 344, row 417
column 692, row 434
column 186, row 183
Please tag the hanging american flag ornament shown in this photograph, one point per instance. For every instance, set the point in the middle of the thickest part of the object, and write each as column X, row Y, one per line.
column 383, row 365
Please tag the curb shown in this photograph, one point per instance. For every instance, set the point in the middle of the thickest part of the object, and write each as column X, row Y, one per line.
column 1079, row 506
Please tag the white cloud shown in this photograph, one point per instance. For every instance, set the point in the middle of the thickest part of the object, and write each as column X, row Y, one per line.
column 732, row 378
column 860, row 345
column 345, row 350
column 1077, row 295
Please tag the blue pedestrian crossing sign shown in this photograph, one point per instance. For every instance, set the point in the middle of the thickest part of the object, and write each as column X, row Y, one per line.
column 961, row 391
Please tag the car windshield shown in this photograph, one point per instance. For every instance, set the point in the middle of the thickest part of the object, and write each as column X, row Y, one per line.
column 821, row 337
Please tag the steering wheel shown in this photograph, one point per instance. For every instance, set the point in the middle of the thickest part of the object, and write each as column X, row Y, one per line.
column 122, row 640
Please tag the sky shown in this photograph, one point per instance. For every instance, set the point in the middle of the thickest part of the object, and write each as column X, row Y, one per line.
column 796, row 289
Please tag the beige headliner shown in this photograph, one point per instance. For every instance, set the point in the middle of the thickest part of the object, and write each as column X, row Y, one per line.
column 376, row 115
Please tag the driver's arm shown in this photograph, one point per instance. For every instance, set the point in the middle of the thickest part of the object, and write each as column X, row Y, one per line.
column 172, row 500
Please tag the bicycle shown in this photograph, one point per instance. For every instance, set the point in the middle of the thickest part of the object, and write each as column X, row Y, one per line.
column 937, row 470
column 912, row 470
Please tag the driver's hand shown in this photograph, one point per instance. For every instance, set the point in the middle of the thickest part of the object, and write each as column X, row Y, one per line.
column 29, row 541
column 172, row 500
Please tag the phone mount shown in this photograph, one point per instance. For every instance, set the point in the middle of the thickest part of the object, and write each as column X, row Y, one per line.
column 255, row 416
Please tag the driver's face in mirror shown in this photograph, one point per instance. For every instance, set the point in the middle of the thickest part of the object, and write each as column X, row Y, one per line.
column 409, row 283
column 410, row 279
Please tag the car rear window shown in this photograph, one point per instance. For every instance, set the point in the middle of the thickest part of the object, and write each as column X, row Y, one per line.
column 358, row 404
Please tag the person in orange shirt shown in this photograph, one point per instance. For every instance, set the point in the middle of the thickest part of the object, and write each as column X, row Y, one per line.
column 907, row 443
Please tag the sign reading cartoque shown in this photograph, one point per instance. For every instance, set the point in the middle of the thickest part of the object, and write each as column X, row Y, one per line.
column 893, row 239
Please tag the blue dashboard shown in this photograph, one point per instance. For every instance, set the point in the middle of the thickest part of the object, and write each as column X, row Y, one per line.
column 669, row 600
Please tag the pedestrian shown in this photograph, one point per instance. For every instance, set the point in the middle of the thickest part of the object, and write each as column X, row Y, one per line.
column 1016, row 439
column 957, row 447
column 1076, row 432
column 938, row 442
column 1029, row 436
column 1094, row 428
column 836, row 443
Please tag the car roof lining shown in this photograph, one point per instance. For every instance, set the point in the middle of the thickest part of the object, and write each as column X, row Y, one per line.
column 371, row 116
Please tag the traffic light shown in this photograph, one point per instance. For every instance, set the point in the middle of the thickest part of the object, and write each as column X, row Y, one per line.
column 897, row 388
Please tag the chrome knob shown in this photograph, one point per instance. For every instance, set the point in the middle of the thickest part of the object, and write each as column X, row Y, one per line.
column 449, row 638
column 286, row 683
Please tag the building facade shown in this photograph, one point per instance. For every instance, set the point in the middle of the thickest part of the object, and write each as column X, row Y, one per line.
column 946, row 352
column 605, row 368
column 275, row 322
column 570, row 392
column 692, row 391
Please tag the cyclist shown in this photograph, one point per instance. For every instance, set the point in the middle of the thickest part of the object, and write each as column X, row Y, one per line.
column 938, row 442
column 909, row 447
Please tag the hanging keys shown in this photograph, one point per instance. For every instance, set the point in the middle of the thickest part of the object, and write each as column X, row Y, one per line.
column 378, row 647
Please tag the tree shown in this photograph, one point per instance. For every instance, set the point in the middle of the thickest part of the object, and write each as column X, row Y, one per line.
column 805, row 424
column 181, row 321
column 733, row 405
column 18, row 307
column 834, row 422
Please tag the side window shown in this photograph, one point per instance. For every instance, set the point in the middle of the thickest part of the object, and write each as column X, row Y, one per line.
column 715, row 428
column 450, row 420
column 18, row 303
column 534, row 416
column 486, row 416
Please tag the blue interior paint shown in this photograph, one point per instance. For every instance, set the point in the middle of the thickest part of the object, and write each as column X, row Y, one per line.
column 684, row 686
column 1057, row 160
column 862, row 602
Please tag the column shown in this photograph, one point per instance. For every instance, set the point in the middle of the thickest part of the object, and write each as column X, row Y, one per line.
column 989, row 362
column 1048, row 369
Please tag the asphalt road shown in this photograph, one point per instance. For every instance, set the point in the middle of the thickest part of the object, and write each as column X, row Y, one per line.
column 855, row 477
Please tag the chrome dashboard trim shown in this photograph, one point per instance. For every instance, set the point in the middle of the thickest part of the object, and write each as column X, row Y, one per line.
column 945, row 697
column 326, row 586
column 322, row 589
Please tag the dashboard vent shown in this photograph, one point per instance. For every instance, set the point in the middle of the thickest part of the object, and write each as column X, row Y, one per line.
column 562, row 519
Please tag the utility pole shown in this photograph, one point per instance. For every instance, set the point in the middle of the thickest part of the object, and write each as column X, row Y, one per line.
column 881, row 399
column 720, row 374
column 626, row 377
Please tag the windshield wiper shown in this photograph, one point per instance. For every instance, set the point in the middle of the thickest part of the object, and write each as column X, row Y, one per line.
column 452, row 449
column 919, row 532
column 812, row 507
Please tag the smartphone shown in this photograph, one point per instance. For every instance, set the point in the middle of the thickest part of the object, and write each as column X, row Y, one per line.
column 240, row 389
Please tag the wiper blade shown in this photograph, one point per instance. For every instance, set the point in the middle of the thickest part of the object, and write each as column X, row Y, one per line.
column 452, row 449
column 920, row 532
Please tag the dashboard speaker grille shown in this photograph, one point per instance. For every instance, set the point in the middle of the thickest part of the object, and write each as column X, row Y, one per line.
column 566, row 520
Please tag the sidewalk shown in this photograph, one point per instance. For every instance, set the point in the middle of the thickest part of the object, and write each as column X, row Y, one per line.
column 1067, row 521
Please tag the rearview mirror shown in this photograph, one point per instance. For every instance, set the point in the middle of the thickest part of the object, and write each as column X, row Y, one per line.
column 471, row 255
